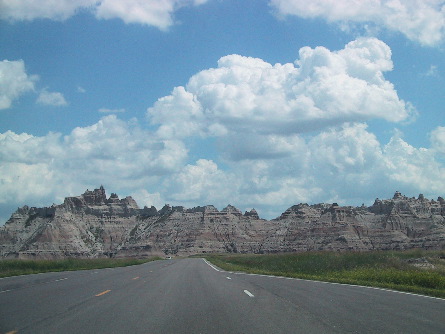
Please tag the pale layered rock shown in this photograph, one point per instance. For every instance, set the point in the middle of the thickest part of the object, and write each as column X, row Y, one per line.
column 91, row 225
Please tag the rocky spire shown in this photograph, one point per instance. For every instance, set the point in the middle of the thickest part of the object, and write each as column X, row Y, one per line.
column 397, row 195
column 231, row 209
column 252, row 214
column 95, row 197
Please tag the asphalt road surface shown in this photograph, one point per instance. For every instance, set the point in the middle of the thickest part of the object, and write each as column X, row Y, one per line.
column 190, row 296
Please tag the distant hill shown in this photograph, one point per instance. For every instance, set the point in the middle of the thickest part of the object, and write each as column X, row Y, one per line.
column 92, row 225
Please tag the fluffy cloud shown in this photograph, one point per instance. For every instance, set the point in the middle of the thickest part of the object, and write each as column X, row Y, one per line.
column 46, row 9
column 200, row 183
column 345, row 151
column 151, row 12
column 112, row 152
column 144, row 198
column 157, row 13
column 112, row 148
column 186, row 112
column 247, row 133
column 414, row 167
column 295, row 132
column 422, row 21
column 437, row 138
column 321, row 89
column 14, row 82
column 345, row 164
column 241, row 146
column 55, row 99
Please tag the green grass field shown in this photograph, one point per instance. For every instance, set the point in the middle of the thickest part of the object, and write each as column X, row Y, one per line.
column 384, row 269
column 23, row 267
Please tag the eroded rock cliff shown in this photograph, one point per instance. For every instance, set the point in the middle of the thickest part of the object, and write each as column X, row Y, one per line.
column 89, row 225
column 92, row 225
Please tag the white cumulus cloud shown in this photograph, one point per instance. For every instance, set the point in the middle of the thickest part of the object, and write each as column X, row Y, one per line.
column 200, row 183
column 247, row 133
column 422, row 21
column 321, row 89
column 437, row 138
column 47, row 9
column 151, row 12
column 414, row 167
column 345, row 164
column 144, row 198
column 55, row 99
column 14, row 81
column 157, row 13
column 112, row 152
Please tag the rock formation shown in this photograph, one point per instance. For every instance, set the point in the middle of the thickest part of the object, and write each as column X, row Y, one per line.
column 91, row 225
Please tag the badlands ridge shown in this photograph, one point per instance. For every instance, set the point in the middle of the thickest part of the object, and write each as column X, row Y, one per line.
column 92, row 225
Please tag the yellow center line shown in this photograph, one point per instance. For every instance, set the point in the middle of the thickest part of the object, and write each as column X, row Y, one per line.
column 137, row 277
column 102, row 293
column 12, row 332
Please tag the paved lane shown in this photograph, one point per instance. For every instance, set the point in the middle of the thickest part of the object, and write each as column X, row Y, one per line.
column 189, row 296
column 356, row 309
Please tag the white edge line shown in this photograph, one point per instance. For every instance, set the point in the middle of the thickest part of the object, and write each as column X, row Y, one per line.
column 248, row 293
column 344, row 284
column 334, row 283
column 211, row 265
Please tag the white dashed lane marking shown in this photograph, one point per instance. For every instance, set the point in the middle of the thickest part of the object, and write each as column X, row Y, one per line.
column 248, row 293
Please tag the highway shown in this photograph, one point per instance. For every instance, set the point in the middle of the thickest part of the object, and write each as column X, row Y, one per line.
column 191, row 296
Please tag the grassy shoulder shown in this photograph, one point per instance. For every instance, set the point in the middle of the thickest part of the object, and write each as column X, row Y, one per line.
column 416, row 271
column 24, row 267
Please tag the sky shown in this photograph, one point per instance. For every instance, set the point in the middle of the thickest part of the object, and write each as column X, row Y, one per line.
column 256, row 103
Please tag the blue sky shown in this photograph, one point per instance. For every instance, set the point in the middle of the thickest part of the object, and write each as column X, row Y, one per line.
column 259, row 104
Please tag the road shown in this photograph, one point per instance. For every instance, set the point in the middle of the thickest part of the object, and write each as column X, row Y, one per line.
column 191, row 296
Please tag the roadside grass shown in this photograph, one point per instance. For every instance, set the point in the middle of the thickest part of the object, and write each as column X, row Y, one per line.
column 384, row 269
column 17, row 267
